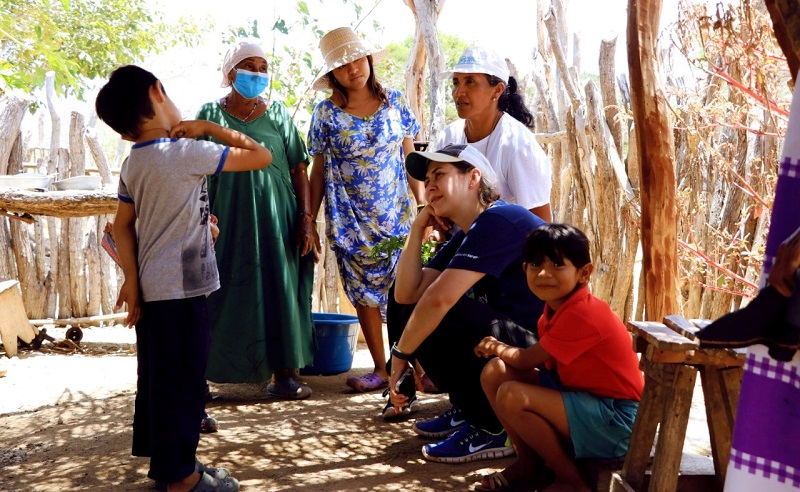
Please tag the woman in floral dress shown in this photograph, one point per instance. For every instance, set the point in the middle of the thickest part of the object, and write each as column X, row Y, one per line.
column 358, row 139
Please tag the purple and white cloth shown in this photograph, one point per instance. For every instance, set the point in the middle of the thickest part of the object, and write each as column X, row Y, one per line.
column 765, row 455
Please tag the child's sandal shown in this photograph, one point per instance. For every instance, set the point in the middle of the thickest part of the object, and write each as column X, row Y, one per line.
column 494, row 482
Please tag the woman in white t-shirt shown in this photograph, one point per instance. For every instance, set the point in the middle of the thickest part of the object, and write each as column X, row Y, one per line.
column 495, row 120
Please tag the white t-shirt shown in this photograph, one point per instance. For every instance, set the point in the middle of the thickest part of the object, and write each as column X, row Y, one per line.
column 523, row 169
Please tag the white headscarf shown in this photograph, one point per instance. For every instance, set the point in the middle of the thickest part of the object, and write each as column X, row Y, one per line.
column 238, row 52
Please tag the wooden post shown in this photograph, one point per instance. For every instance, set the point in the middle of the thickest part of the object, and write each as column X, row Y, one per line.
column 427, row 14
column 77, row 236
column 10, row 118
column 656, row 147
column 608, row 89
column 786, row 25
column 13, row 320
column 415, row 74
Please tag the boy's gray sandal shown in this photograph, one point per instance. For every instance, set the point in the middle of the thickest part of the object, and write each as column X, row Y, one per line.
column 218, row 473
column 214, row 472
column 208, row 483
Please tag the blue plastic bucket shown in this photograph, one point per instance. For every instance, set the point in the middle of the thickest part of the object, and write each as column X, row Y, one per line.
column 336, row 336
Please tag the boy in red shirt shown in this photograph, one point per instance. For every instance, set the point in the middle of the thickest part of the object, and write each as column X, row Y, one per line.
column 575, row 393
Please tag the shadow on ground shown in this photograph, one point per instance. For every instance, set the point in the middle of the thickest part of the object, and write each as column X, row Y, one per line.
column 334, row 441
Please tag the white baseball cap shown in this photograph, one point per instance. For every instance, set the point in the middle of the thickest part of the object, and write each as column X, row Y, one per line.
column 479, row 60
column 417, row 162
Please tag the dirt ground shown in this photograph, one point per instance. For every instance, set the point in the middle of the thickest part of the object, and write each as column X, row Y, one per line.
column 65, row 424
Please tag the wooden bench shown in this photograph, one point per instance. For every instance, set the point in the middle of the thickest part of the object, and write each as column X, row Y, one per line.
column 670, row 360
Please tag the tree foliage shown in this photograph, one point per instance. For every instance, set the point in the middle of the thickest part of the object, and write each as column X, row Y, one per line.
column 79, row 40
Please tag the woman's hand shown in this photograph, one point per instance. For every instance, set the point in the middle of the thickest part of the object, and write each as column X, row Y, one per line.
column 783, row 273
column 307, row 235
column 317, row 245
column 398, row 399
column 489, row 347
column 426, row 217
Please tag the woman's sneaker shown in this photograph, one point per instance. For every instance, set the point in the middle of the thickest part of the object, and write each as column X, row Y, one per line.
column 390, row 412
column 406, row 387
column 469, row 444
column 443, row 425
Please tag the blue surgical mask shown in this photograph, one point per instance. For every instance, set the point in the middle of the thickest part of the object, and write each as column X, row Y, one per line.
column 250, row 84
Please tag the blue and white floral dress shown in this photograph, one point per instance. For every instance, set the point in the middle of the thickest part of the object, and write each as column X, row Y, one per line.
column 367, row 198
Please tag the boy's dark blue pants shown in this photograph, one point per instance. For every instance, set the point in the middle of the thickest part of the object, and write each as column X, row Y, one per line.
column 172, row 340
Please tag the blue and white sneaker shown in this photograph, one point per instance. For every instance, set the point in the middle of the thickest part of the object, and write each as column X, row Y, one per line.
column 443, row 425
column 469, row 444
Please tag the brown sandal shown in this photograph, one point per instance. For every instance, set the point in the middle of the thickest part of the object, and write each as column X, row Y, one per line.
column 496, row 482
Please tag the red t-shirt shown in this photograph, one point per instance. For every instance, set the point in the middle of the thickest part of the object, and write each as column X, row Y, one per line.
column 593, row 351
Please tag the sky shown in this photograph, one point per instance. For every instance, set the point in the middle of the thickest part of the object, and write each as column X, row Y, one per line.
column 506, row 26
column 191, row 75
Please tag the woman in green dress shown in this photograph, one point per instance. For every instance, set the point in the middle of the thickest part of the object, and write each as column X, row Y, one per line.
column 261, row 317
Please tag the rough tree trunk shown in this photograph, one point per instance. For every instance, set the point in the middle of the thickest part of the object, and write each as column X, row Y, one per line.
column 656, row 153
column 58, row 230
column 34, row 294
column 611, row 109
column 98, row 156
column 77, row 258
column 10, row 118
column 426, row 16
column 415, row 74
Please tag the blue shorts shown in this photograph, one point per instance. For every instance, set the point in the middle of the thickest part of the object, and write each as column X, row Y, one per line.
column 599, row 427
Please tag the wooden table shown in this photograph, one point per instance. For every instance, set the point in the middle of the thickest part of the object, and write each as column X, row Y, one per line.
column 59, row 203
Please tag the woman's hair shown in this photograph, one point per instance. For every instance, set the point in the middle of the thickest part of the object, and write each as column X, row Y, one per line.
column 487, row 194
column 556, row 242
column 372, row 82
column 511, row 102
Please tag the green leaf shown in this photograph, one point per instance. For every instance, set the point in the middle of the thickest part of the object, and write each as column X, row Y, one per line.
column 302, row 7
column 280, row 25
column 65, row 4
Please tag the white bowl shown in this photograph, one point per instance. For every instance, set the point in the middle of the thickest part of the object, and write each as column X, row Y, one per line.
column 26, row 181
column 79, row 183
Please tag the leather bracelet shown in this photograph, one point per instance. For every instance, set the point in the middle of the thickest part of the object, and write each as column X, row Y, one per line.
column 396, row 352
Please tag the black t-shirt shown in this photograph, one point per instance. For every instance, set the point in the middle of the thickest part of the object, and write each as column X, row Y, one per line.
column 493, row 246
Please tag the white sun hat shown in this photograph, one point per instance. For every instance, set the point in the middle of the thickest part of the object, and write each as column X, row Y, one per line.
column 340, row 47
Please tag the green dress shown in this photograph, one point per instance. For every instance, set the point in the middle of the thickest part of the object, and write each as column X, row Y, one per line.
column 261, row 316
